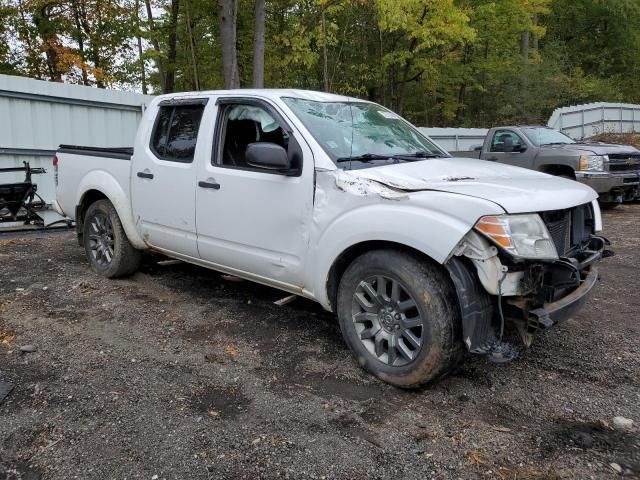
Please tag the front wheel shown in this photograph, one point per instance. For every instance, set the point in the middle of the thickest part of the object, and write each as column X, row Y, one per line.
column 106, row 244
column 399, row 316
column 609, row 205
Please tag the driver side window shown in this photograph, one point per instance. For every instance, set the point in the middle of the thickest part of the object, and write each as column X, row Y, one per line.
column 244, row 124
column 503, row 136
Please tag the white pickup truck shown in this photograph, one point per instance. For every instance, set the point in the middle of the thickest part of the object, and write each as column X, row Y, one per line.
column 341, row 201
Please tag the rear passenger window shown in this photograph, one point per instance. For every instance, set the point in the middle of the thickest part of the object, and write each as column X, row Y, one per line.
column 176, row 132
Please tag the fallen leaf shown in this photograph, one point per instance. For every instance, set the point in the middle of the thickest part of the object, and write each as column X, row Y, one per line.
column 6, row 338
column 231, row 351
column 214, row 413
column 476, row 458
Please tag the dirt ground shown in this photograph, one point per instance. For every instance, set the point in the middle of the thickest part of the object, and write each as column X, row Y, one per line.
column 179, row 373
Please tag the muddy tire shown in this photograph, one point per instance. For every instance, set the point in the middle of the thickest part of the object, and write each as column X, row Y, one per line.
column 105, row 243
column 399, row 316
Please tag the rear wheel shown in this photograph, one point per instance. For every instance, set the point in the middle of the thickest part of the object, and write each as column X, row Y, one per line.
column 107, row 247
column 399, row 316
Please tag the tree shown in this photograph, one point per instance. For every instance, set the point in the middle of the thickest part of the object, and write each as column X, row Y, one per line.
column 228, row 14
column 258, row 44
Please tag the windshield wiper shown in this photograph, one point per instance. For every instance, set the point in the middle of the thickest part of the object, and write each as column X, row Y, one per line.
column 555, row 143
column 418, row 154
column 365, row 157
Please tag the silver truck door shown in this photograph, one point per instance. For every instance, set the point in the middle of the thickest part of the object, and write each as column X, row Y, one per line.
column 506, row 146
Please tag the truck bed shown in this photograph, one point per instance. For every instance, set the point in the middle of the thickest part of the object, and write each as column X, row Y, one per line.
column 81, row 168
column 121, row 153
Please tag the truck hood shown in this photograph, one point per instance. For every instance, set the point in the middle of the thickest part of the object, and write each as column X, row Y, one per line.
column 596, row 148
column 516, row 190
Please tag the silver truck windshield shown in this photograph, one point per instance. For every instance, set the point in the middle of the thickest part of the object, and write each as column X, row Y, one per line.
column 362, row 132
column 546, row 136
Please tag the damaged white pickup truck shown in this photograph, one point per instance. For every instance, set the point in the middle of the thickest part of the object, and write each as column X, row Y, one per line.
column 342, row 201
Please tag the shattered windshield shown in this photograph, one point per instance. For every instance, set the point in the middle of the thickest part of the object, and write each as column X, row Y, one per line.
column 359, row 134
column 546, row 136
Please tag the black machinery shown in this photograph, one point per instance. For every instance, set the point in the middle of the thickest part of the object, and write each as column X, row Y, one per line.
column 20, row 202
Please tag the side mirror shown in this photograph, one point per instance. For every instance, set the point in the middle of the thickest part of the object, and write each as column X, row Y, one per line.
column 508, row 144
column 522, row 148
column 267, row 155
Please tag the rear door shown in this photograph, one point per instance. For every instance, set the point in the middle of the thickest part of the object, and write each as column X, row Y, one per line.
column 163, row 177
column 251, row 220
column 521, row 155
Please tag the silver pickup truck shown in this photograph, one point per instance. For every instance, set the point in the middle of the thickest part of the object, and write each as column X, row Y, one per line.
column 611, row 170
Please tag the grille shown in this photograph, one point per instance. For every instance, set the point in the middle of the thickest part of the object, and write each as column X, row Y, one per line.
column 569, row 228
column 624, row 162
column 559, row 225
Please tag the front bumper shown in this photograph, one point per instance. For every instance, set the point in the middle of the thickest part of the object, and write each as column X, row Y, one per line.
column 564, row 308
column 560, row 288
column 606, row 182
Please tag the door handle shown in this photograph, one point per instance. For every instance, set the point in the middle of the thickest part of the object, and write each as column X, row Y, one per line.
column 145, row 175
column 215, row 186
column 493, row 159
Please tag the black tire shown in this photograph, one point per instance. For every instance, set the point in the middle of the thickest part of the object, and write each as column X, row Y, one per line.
column 609, row 205
column 431, row 289
column 106, row 244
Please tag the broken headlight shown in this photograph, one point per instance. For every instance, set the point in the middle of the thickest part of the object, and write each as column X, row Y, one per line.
column 523, row 236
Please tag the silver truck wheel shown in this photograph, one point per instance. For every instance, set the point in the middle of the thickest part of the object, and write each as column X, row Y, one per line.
column 106, row 245
column 387, row 320
column 399, row 315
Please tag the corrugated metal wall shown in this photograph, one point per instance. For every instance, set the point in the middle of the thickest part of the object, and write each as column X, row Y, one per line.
column 586, row 120
column 37, row 116
column 456, row 139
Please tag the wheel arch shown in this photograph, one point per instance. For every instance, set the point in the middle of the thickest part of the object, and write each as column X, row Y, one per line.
column 99, row 185
column 348, row 255
column 558, row 170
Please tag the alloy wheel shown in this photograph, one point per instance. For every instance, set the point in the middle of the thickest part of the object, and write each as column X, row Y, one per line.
column 387, row 320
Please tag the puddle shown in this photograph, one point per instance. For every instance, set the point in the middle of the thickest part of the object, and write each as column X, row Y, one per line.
column 223, row 402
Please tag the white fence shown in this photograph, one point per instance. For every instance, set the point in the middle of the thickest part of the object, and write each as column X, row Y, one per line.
column 37, row 116
column 583, row 121
column 456, row 139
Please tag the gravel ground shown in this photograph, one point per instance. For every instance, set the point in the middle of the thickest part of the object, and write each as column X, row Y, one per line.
column 179, row 373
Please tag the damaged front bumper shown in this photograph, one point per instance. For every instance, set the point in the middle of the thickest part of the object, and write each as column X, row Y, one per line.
column 550, row 293
column 565, row 307
column 558, row 289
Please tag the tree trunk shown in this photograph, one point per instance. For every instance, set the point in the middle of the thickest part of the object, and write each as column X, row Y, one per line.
column 80, row 40
column 51, row 44
column 155, row 44
column 228, row 15
column 170, row 68
column 524, row 45
column 258, row 45
column 192, row 45
column 143, row 75
column 325, row 63
column 534, row 36
column 407, row 67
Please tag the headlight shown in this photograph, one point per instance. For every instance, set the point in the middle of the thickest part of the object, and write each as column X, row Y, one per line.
column 592, row 163
column 524, row 236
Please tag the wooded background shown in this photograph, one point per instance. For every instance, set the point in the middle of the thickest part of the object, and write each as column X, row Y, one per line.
column 438, row 62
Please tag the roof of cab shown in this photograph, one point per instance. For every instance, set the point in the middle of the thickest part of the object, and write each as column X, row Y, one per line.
column 272, row 93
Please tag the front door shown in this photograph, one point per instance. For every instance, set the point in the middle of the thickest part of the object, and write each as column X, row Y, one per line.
column 509, row 147
column 251, row 220
column 163, row 179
